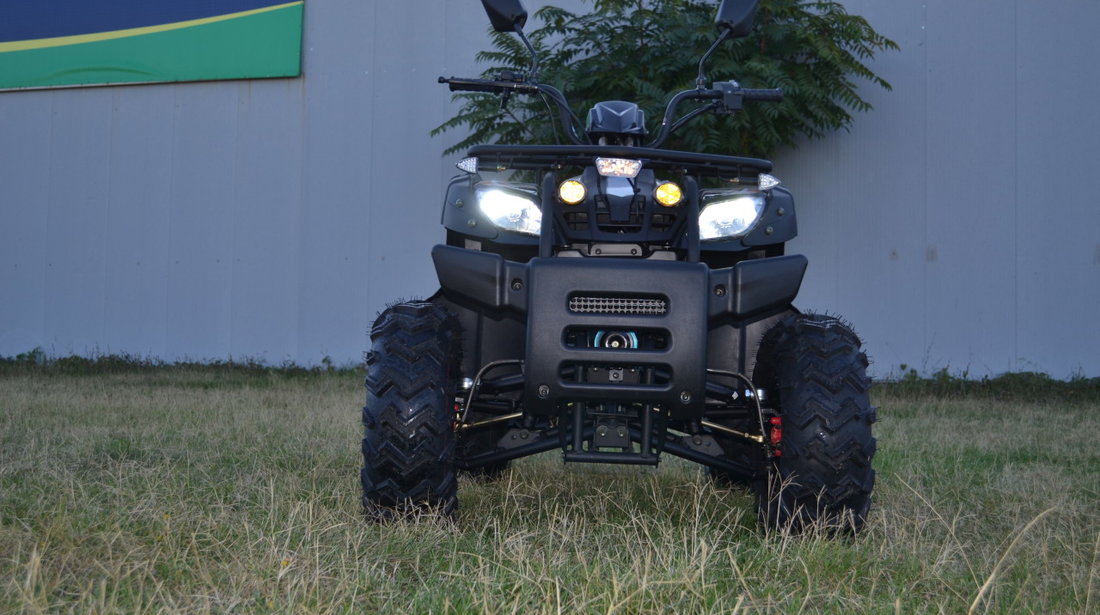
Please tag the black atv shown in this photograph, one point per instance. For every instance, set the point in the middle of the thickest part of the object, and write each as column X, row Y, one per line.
column 624, row 302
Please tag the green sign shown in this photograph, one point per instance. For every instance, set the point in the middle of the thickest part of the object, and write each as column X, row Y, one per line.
column 49, row 43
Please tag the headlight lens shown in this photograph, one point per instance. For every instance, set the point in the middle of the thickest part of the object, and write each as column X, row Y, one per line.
column 727, row 216
column 571, row 191
column 668, row 194
column 509, row 209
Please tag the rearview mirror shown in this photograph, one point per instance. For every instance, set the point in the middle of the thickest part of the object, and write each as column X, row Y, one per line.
column 505, row 15
column 735, row 16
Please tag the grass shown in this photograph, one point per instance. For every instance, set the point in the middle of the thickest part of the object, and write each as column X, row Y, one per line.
column 145, row 488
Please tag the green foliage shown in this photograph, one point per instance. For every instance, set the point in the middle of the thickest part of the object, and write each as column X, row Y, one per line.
column 36, row 361
column 1008, row 387
column 644, row 51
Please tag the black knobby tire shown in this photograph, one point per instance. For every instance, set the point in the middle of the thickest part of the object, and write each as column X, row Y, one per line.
column 822, row 477
column 409, row 441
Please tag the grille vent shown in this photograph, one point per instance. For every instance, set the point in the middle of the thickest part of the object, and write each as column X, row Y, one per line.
column 645, row 306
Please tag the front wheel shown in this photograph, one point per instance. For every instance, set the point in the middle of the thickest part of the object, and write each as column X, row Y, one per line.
column 821, row 474
column 409, row 441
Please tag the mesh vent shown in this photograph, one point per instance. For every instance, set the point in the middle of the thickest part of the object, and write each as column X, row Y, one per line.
column 618, row 305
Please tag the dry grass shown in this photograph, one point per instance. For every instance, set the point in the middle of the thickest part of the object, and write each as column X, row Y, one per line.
column 200, row 490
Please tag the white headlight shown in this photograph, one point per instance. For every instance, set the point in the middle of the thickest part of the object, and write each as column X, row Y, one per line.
column 730, row 217
column 510, row 210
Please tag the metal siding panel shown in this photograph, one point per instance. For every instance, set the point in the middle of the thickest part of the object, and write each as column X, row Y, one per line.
column 812, row 173
column 24, row 206
column 140, row 168
column 338, row 150
column 404, row 208
column 265, row 220
column 971, row 200
column 1058, row 219
column 76, row 235
column 861, row 202
column 200, row 246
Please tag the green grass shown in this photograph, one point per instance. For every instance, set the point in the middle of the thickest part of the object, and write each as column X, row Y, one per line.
column 146, row 488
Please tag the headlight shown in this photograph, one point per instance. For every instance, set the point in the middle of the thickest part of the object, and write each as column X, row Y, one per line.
column 727, row 216
column 668, row 194
column 571, row 192
column 510, row 209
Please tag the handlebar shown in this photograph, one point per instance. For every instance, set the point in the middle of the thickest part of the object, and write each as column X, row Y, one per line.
column 727, row 97
column 516, row 83
column 728, row 92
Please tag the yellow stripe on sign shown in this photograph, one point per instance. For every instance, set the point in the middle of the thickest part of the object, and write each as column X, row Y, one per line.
column 59, row 41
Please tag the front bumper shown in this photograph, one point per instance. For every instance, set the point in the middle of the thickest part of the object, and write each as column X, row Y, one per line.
column 693, row 297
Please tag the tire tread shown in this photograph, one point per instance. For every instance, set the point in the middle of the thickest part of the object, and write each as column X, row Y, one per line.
column 408, row 441
column 824, row 477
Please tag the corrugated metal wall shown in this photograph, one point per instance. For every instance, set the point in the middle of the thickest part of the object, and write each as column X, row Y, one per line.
column 954, row 224
column 251, row 219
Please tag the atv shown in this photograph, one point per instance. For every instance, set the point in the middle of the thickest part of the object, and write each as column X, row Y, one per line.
column 619, row 301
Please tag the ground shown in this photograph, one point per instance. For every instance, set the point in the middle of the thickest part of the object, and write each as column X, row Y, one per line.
column 140, row 489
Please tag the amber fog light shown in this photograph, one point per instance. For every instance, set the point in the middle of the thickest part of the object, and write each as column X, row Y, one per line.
column 668, row 194
column 571, row 191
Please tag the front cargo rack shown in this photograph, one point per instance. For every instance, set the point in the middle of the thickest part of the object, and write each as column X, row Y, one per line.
column 538, row 157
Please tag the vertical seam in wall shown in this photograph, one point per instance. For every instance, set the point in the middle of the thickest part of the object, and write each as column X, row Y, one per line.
column 104, row 280
column 1012, row 362
column 46, row 277
column 167, row 353
column 304, row 235
column 299, row 281
column 924, row 184
column 373, row 83
column 234, row 213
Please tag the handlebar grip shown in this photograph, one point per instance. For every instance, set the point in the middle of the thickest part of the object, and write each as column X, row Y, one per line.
column 762, row 95
column 455, row 84
column 459, row 84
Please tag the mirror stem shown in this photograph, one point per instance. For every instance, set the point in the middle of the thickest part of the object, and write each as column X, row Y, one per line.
column 701, row 80
column 533, row 72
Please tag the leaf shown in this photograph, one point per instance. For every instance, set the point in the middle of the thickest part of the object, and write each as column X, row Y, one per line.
column 647, row 50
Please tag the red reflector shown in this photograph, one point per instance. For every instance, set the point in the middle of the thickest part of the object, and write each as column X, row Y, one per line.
column 777, row 432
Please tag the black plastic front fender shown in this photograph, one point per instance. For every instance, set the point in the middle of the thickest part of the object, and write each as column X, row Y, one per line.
column 749, row 288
